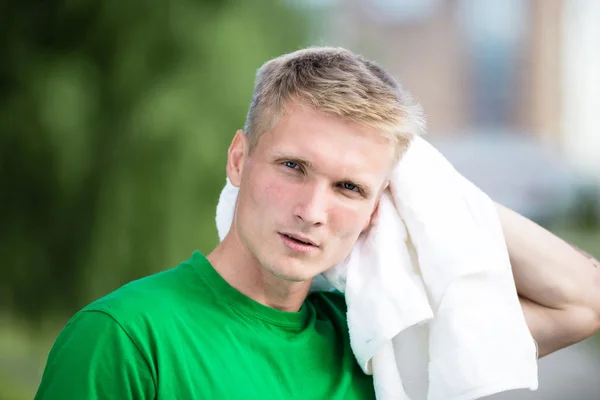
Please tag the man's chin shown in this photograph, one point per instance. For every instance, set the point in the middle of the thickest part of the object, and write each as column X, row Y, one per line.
column 293, row 273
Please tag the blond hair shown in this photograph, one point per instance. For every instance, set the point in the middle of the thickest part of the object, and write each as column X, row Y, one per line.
column 337, row 82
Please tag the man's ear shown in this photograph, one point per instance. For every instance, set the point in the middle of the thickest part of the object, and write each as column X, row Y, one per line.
column 236, row 157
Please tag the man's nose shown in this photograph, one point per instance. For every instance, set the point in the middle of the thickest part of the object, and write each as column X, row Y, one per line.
column 312, row 205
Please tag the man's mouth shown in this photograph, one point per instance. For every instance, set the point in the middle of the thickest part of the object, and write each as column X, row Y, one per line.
column 300, row 239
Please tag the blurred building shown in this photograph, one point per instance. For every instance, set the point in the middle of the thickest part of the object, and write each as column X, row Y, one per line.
column 530, row 66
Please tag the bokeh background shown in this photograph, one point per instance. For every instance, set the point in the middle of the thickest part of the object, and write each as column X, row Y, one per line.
column 115, row 118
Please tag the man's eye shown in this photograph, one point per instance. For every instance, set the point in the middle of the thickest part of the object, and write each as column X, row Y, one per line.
column 291, row 164
column 350, row 186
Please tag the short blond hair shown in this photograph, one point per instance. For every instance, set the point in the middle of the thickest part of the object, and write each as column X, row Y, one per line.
column 337, row 82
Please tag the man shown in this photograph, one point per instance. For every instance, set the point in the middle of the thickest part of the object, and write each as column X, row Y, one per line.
column 324, row 129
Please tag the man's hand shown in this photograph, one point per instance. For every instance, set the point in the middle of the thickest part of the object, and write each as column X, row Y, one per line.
column 558, row 284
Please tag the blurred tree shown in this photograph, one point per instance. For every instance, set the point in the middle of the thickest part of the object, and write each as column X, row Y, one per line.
column 115, row 118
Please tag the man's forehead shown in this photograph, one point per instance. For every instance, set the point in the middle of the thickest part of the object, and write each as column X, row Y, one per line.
column 323, row 139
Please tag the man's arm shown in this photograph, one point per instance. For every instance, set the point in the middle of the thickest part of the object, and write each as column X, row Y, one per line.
column 558, row 284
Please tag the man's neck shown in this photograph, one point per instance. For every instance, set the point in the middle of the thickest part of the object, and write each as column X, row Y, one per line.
column 238, row 267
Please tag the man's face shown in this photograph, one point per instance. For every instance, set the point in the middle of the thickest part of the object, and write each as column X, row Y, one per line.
column 307, row 191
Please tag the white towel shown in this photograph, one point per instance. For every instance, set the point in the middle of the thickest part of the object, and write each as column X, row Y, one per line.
column 433, row 311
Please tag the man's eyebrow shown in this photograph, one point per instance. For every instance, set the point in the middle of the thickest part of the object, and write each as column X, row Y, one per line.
column 281, row 157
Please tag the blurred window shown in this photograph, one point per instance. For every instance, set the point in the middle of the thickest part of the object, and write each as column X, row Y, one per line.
column 494, row 32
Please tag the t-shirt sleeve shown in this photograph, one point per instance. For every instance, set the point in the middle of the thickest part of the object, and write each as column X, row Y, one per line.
column 94, row 358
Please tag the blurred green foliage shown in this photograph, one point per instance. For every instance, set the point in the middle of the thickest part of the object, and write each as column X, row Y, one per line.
column 115, row 118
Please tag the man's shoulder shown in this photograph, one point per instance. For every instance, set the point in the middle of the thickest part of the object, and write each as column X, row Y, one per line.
column 148, row 296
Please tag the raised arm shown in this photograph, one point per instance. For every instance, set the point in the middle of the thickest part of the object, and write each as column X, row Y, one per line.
column 558, row 284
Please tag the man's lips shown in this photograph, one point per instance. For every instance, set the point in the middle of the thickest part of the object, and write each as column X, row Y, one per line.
column 298, row 245
column 300, row 239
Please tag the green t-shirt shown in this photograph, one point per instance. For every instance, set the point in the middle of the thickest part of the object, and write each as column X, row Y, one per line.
column 185, row 333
